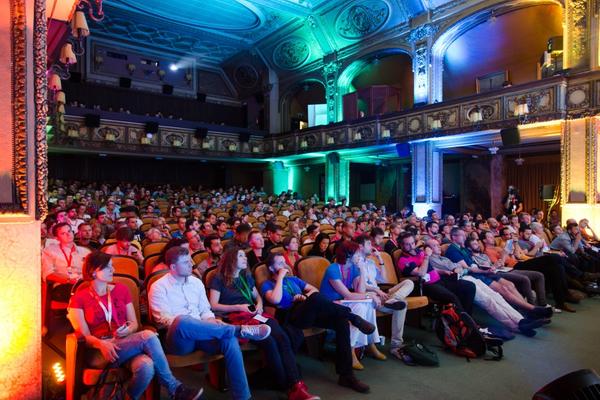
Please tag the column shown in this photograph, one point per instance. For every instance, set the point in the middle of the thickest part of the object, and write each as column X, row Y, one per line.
column 273, row 103
column 580, row 170
column 276, row 178
column 497, row 184
column 420, row 39
column 331, row 67
column 577, row 44
column 22, row 194
column 337, row 178
column 427, row 171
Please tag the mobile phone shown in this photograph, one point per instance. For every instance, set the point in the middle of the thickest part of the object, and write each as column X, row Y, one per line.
column 252, row 307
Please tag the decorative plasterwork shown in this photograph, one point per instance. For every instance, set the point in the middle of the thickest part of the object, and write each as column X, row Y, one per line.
column 41, row 108
column 422, row 32
column 18, row 71
column 245, row 76
column 578, row 96
column 291, row 53
column 362, row 19
column 330, row 75
column 576, row 32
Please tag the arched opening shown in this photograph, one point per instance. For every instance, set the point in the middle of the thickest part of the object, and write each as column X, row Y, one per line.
column 298, row 106
column 500, row 47
column 390, row 71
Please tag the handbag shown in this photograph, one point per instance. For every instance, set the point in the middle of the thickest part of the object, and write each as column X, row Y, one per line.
column 421, row 354
column 112, row 390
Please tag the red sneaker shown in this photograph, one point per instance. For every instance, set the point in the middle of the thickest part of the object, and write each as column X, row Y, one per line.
column 300, row 392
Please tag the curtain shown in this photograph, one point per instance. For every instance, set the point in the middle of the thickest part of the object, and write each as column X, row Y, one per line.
column 529, row 177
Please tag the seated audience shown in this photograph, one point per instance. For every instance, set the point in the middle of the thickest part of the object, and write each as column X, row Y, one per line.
column 104, row 316
column 321, row 247
column 123, row 246
column 179, row 304
column 290, row 252
column 234, row 296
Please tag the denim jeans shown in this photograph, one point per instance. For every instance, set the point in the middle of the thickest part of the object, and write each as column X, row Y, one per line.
column 187, row 334
column 145, row 357
column 280, row 356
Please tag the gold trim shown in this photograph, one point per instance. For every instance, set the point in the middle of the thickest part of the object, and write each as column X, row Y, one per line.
column 41, row 108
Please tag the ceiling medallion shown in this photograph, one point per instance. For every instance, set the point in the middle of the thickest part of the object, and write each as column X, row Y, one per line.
column 362, row 19
column 291, row 53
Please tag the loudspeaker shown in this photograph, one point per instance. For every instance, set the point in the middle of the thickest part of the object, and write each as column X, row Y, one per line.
column 75, row 77
column 259, row 97
column 510, row 137
column 201, row 97
column 333, row 158
column 403, row 149
column 125, row 82
column 555, row 44
column 547, row 192
column 92, row 120
column 151, row 127
column 201, row 133
column 244, row 137
column 167, row 89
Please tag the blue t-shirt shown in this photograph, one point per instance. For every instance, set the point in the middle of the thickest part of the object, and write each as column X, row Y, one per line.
column 291, row 287
column 332, row 273
column 456, row 254
column 232, row 295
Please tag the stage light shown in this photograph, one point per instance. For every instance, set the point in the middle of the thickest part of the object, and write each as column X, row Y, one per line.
column 173, row 67
column 59, row 374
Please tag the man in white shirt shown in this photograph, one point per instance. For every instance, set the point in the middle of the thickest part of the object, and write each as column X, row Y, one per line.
column 62, row 262
column 178, row 302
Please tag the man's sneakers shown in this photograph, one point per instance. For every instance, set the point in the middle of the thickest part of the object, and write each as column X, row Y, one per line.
column 351, row 382
column 363, row 325
column 300, row 392
column 187, row 393
column 396, row 305
column 255, row 332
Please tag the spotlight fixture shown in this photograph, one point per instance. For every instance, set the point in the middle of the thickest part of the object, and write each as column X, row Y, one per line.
column 519, row 161
column 493, row 150
column 173, row 67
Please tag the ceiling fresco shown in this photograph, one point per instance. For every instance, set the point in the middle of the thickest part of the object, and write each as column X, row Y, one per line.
column 288, row 33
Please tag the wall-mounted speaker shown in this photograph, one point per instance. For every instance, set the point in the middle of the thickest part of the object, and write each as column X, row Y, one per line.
column 547, row 192
column 201, row 133
column 244, row 137
column 403, row 149
column 125, row 82
column 201, row 97
column 167, row 89
column 92, row 120
column 151, row 127
column 510, row 137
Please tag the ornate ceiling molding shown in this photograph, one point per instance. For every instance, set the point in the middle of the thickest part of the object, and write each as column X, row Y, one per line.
column 422, row 32
column 291, row 53
column 362, row 19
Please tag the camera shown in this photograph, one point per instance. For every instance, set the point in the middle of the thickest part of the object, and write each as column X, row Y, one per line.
column 252, row 308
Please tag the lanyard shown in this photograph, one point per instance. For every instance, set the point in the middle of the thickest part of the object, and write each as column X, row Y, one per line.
column 245, row 290
column 69, row 258
column 288, row 288
column 107, row 312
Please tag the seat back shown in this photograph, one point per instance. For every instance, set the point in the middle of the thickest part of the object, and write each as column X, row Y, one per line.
column 153, row 277
column 312, row 269
column 153, row 248
column 388, row 271
column 276, row 249
column 396, row 256
column 261, row 274
column 150, row 262
column 199, row 256
column 305, row 248
column 126, row 265
column 134, row 289
column 444, row 247
column 208, row 277
column 580, row 384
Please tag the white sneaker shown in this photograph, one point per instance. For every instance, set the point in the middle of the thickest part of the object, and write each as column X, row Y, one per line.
column 557, row 310
column 255, row 332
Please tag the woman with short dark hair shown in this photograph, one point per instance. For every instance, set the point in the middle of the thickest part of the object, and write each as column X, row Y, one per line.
column 103, row 313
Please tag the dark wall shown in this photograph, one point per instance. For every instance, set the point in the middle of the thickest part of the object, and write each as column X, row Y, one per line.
column 152, row 171
column 475, row 196
column 143, row 103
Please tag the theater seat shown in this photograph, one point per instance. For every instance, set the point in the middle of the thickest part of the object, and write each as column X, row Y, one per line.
column 583, row 384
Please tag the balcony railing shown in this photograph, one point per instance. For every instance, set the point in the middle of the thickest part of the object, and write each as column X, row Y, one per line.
column 549, row 99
